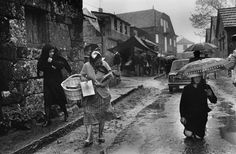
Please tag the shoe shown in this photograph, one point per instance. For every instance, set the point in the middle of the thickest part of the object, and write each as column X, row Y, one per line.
column 88, row 143
column 47, row 123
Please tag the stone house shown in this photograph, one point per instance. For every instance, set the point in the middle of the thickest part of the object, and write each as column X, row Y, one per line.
column 26, row 25
column 225, row 28
column 157, row 24
column 113, row 30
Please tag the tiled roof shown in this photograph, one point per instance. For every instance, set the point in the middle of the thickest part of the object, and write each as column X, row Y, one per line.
column 184, row 41
column 141, row 19
column 228, row 16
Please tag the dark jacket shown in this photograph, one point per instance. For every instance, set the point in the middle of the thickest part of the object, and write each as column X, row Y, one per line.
column 194, row 100
column 117, row 59
column 3, row 83
column 52, row 75
column 194, row 59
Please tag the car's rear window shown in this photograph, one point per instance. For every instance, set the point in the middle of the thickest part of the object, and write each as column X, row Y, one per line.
column 177, row 64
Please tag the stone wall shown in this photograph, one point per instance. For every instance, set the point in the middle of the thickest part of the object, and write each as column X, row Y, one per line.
column 18, row 56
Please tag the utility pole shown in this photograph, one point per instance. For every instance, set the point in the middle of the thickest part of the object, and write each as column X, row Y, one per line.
column 101, row 28
column 100, row 3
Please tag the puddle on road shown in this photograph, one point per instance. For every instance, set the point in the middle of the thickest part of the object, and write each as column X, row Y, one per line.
column 153, row 110
column 226, row 107
column 228, row 132
column 195, row 147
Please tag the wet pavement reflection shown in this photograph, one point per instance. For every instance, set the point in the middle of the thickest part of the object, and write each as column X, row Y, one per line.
column 228, row 132
column 193, row 146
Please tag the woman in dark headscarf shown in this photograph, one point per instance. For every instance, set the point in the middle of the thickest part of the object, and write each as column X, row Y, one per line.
column 4, row 91
column 51, row 64
column 194, row 108
column 96, row 106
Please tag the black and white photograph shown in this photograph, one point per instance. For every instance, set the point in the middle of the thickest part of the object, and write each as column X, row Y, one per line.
column 117, row 76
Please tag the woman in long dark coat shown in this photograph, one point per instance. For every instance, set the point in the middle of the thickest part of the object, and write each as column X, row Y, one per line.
column 194, row 108
column 51, row 64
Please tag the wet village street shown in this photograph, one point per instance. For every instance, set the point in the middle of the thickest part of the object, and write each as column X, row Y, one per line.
column 150, row 124
column 65, row 64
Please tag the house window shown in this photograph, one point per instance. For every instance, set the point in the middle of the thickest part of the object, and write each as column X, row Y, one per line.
column 157, row 38
column 35, row 26
column 162, row 22
column 165, row 44
column 220, row 45
column 115, row 24
column 174, row 43
column 121, row 27
column 170, row 42
column 126, row 30
column 223, row 44
column 135, row 33
column 164, row 26
column 185, row 46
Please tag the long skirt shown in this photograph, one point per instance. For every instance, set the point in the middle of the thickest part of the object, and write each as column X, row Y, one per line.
column 197, row 124
column 96, row 110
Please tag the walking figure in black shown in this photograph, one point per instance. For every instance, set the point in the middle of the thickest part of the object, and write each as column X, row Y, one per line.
column 196, row 56
column 194, row 108
column 51, row 64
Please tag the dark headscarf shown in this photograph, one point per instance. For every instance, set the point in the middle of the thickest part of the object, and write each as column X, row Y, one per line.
column 202, row 82
column 45, row 52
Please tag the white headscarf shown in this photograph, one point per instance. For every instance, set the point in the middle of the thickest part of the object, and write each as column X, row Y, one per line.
column 95, row 53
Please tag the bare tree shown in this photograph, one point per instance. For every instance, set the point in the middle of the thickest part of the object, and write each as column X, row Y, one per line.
column 204, row 9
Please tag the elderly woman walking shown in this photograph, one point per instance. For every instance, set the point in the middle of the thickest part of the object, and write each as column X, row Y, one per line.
column 194, row 108
column 51, row 64
column 96, row 106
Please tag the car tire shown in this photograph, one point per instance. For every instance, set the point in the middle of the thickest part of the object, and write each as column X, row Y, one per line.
column 170, row 89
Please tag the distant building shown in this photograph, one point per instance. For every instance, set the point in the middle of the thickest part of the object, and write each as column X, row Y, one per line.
column 135, row 31
column 145, row 37
column 183, row 44
column 157, row 24
column 114, row 30
column 225, row 28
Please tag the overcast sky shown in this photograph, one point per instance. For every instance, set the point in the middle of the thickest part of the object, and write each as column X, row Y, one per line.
column 178, row 10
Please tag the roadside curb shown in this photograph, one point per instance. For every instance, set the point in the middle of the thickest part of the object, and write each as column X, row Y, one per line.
column 62, row 131
column 126, row 94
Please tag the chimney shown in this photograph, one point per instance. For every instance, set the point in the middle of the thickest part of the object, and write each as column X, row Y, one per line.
column 100, row 10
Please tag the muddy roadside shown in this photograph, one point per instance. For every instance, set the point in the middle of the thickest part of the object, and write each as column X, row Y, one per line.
column 128, row 108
